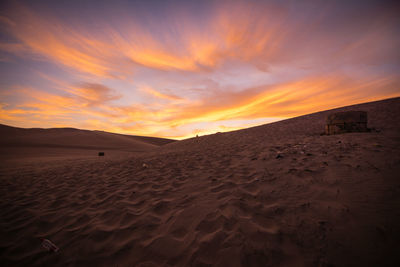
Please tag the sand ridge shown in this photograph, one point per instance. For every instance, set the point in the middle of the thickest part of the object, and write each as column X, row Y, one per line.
column 75, row 138
column 59, row 144
column 220, row 200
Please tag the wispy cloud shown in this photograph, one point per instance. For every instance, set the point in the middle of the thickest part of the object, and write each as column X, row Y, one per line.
column 93, row 94
column 242, row 32
column 160, row 95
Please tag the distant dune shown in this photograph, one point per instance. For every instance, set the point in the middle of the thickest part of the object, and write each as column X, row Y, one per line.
column 76, row 138
column 20, row 142
column 279, row 194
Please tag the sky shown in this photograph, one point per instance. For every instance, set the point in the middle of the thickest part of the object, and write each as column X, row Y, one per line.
column 179, row 68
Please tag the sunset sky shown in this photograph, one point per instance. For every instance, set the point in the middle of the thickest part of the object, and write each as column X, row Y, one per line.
column 180, row 68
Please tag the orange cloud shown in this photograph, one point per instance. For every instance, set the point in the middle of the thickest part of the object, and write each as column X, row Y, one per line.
column 93, row 94
column 286, row 100
column 253, row 32
column 48, row 37
column 158, row 94
column 235, row 32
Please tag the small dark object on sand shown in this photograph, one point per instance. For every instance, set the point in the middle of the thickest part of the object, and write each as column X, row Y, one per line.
column 47, row 244
column 101, row 154
column 346, row 122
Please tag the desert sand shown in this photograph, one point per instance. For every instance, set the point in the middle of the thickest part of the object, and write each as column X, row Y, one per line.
column 279, row 194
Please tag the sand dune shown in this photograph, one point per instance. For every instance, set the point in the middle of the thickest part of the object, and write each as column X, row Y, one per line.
column 220, row 200
column 64, row 143
column 75, row 138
